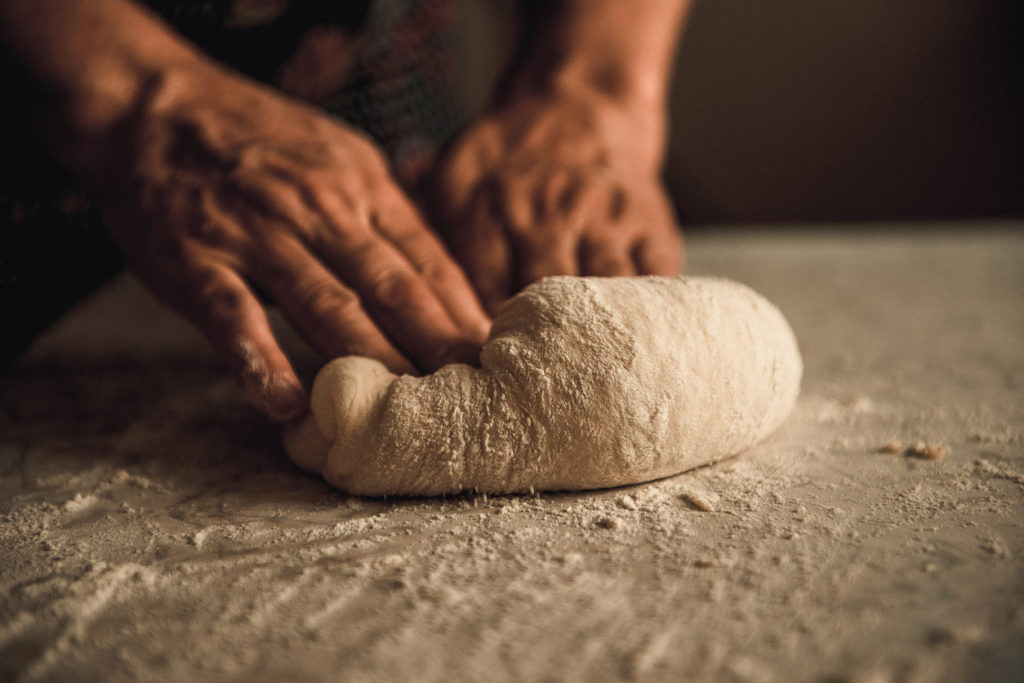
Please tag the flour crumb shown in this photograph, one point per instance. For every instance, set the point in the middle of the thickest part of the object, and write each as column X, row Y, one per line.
column 994, row 546
column 628, row 503
column 697, row 501
column 867, row 676
column 1005, row 437
column 945, row 636
column 983, row 466
column 80, row 502
column 927, row 451
column 571, row 559
column 198, row 538
column 859, row 405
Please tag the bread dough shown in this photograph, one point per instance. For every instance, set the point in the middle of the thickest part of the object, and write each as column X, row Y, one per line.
column 584, row 383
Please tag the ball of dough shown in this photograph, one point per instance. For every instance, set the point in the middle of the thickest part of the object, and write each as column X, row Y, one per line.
column 584, row 383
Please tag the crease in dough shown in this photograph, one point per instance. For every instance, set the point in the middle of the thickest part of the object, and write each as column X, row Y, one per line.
column 584, row 383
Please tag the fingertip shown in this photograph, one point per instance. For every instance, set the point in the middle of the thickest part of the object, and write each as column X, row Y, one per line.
column 656, row 258
column 555, row 254
column 492, row 302
column 276, row 394
column 534, row 270
column 399, row 365
column 606, row 258
column 492, row 287
column 482, row 331
column 268, row 380
column 465, row 352
column 278, row 397
column 285, row 399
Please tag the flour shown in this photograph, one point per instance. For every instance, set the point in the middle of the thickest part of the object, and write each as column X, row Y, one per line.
column 902, row 569
column 584, row 383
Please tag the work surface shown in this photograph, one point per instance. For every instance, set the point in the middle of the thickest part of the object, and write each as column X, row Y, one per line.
column 152, row 529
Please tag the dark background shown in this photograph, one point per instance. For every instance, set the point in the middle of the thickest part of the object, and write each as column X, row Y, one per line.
column 823, row 110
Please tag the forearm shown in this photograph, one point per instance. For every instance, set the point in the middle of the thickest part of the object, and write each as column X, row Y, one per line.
column 86, row 63
column 620, row 50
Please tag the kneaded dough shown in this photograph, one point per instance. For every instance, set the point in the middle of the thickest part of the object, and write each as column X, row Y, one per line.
column 584, row 383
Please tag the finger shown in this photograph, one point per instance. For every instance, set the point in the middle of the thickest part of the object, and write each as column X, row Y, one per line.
column 549, row 251
column 583, row 198
column 236, row 325
column 518, row 199
column 405, row 229
column 606, row 255
column 659, row 256
column 549, row 246
column 327, row 313
column 398, row 298
column 454, row 182
column 482, row 247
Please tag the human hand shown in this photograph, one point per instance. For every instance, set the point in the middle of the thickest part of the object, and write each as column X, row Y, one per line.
column 556, row 183
column 214, row 186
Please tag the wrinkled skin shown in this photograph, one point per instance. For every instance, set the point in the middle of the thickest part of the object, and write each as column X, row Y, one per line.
column 556, row 184
column 231, row 187
column 217, row 188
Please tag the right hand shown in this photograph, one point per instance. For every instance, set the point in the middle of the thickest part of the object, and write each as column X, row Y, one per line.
column 214, row 185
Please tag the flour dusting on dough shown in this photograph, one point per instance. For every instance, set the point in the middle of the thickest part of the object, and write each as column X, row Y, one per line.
column 584, row 383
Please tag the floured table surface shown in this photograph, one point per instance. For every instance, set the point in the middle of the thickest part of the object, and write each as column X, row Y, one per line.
column 152, row 528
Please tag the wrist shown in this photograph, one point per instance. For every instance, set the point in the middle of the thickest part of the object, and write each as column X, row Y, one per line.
column 84, row 65
column 621, row 51
column 633, row 129
column 600, row 77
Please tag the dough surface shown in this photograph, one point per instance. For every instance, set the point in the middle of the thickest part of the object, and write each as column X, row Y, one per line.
column 584, row 383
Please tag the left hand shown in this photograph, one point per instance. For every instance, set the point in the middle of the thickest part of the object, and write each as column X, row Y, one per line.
column 556, row 184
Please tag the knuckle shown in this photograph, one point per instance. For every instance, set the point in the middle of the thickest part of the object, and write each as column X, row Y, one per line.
column 215, row 301
column 609, row 265
column 434, row 268
column 211, row 231
column 617, row 203
column 327, row 300
column 394, row 289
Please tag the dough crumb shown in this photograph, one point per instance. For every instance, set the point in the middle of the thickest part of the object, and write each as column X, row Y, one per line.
column 994, row 546
column 1006, row 437
column 859, row 405
column 944, row 636
column 927, row 451
column 80, row 502
column 869, row 676
column 608, row 523
column 697, row 502
column 891, row 448
column 996, row 471
column 628, row 503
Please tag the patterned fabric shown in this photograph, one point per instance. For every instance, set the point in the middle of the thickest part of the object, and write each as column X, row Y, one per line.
column 387, row 67
column 404, row 89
